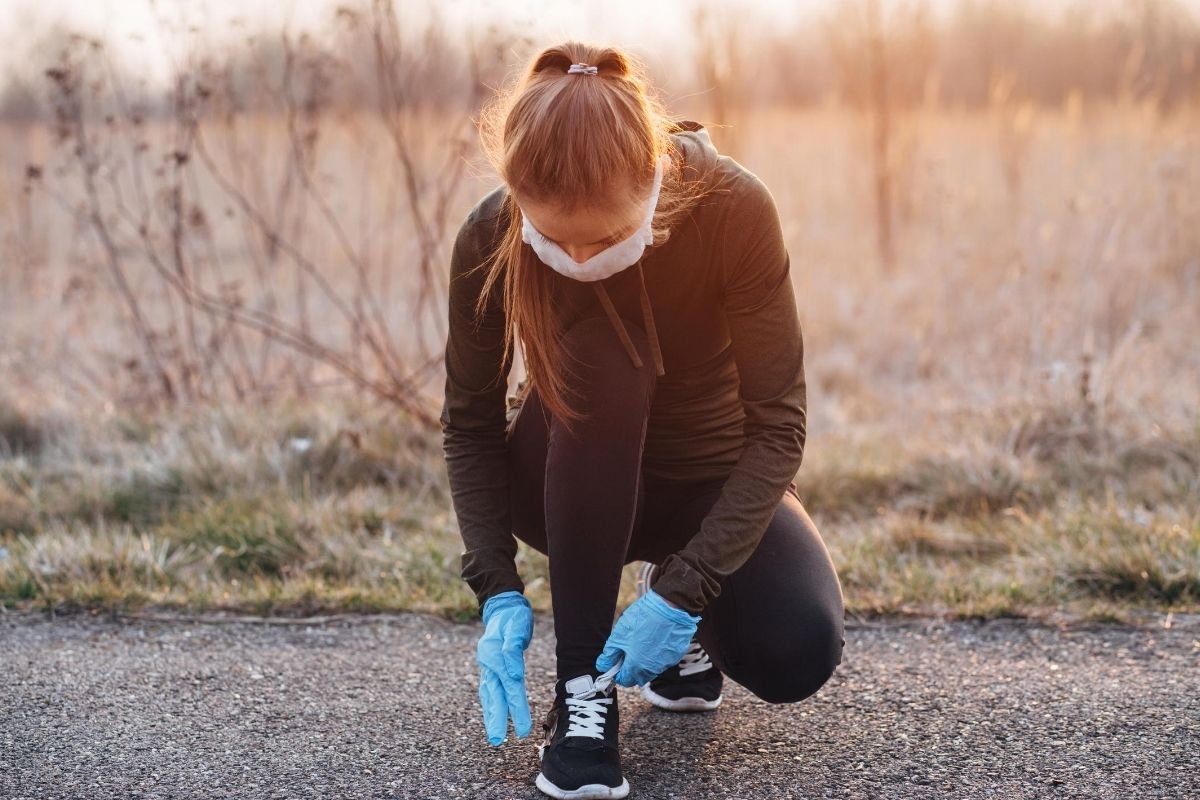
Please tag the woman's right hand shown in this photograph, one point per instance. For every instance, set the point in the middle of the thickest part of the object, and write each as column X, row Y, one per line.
column 507, row 630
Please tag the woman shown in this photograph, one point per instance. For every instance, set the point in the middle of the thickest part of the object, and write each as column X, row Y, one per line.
column 662, row 419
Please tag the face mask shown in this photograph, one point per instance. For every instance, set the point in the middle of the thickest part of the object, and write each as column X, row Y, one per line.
column 607, row 262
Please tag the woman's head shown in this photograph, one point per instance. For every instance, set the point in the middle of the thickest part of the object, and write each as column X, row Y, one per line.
column 577, row 151
column 587, row 230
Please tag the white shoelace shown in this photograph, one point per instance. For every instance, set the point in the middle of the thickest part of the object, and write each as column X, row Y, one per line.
column 694, row 660
column 586, row 716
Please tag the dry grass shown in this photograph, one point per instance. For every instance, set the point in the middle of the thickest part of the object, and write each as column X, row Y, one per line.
column 302, row 510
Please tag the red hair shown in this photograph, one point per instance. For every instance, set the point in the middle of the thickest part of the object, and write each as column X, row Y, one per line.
column 567, row 139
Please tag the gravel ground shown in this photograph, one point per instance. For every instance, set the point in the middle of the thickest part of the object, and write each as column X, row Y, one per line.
column 386, row 707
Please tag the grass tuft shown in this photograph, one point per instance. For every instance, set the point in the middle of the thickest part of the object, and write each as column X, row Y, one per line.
column 241, row 537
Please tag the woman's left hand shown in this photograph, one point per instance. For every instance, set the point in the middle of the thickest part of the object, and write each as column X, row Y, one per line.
column 653, row 634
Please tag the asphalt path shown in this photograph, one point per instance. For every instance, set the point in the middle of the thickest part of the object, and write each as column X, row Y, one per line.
column 97, row 707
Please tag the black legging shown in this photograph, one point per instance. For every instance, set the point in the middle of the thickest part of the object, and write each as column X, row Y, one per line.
column 776, row 627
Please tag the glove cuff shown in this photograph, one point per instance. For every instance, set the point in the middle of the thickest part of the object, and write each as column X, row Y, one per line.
column 677, row 615
column 503, row 600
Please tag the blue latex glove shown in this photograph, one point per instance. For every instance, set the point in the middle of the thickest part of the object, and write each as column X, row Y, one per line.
column 652, row 634
column 500, row 653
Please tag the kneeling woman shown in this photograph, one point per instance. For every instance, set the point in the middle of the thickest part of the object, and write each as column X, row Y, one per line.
column 662, row 419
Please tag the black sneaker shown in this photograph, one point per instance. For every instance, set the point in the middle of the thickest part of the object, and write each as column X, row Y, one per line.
column 580, row 758
column 693, row 684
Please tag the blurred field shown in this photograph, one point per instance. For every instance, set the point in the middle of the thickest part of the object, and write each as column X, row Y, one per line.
column 1003, row 415
column 1023, row 268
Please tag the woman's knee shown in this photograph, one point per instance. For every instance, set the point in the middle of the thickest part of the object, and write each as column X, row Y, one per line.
column 799, row 656
column 793, row 667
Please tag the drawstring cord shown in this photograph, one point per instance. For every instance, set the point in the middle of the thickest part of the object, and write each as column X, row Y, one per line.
column 647, row 318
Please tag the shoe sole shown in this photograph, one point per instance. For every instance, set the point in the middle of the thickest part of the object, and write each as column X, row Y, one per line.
column 682, row 704
column 589, row 791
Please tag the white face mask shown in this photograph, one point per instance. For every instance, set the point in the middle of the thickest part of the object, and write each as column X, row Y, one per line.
column 607, row 262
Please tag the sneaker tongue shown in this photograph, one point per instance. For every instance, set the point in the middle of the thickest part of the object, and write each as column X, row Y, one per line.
column 585, row 685
column 581, row 686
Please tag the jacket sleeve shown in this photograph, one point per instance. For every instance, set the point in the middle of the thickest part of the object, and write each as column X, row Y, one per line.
column 473, row 421
column 760, row 306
